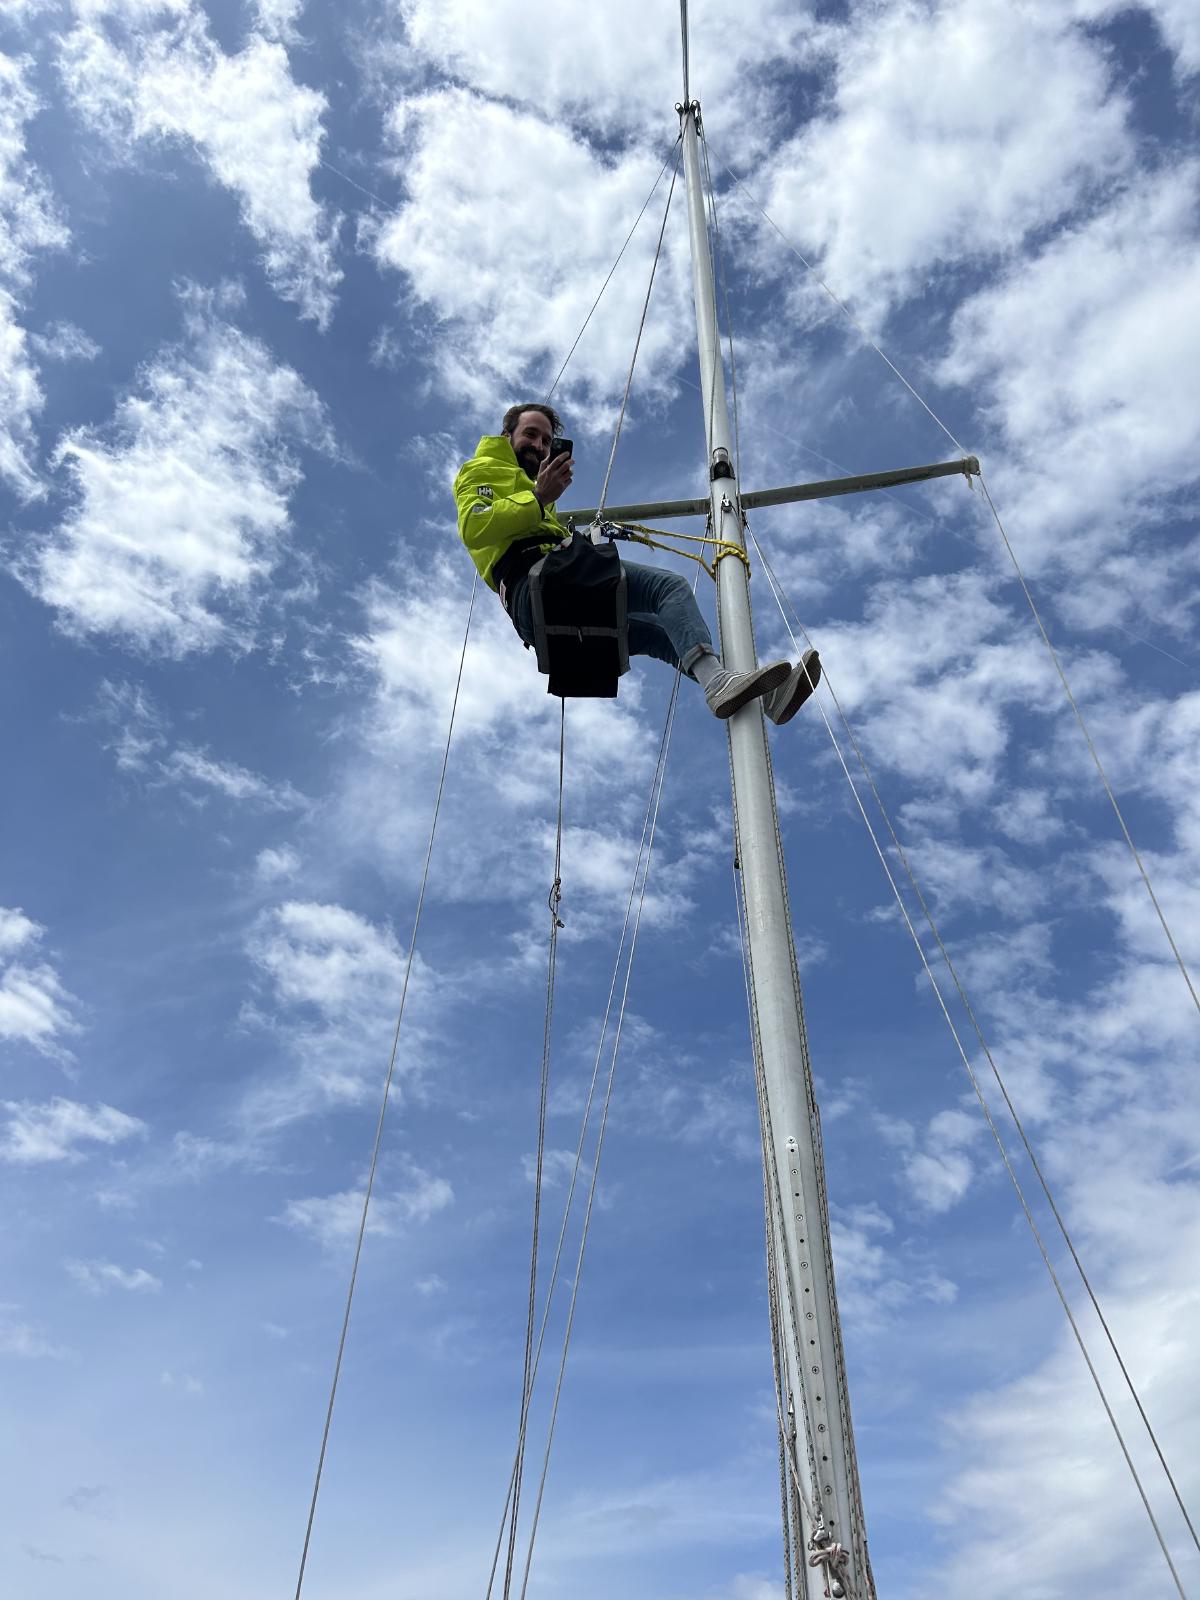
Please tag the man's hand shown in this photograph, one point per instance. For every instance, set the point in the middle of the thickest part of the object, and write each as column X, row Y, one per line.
column 553, row 477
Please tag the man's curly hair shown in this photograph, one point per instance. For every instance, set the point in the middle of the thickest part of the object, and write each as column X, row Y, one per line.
column 512, row 415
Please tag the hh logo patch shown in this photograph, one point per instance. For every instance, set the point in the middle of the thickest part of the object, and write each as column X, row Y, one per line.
column 485, row 491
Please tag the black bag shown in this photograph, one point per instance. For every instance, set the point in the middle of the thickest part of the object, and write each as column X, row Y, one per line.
column 580, row 618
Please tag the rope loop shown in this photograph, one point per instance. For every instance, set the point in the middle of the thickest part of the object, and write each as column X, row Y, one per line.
column 637, row 533
column 554, row 901
column 834, row 1558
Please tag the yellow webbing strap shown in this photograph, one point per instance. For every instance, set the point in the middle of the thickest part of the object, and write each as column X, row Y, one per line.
column 654, row 537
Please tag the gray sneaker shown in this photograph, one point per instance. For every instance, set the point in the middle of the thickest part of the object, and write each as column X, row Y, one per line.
column 730, row 691
column 782, row 704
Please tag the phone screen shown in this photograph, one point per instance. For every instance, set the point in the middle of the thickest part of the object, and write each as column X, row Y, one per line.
column 561, row 447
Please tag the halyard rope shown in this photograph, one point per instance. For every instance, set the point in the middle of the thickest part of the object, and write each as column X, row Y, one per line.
column 583, row 1129
column 544, row 1087
column 640, row 870
column 657, row 793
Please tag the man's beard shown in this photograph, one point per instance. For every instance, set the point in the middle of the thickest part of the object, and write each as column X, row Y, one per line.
column 529, row 462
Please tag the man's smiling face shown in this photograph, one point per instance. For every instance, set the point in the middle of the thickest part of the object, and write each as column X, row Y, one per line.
column 531, row 441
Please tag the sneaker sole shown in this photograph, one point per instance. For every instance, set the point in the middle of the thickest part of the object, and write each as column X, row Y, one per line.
column 763, row 682
column 807, row 682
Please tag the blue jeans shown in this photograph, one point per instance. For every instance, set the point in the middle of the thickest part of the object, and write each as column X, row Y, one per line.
column 664, row 619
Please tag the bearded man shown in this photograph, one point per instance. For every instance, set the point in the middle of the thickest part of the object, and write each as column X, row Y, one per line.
column 506, row 496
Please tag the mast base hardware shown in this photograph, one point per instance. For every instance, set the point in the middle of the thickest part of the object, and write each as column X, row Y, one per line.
column 580, row 619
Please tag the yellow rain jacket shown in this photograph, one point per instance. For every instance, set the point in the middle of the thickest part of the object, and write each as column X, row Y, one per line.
column 497, row 505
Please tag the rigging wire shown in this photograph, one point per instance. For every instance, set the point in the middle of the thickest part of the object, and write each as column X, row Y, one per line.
column 641, row 860
column 978, row 1090
column 608, row 279
column 1001, row 1084
column 354, row 184
column 971, row 1015
column 556, row 923
column 844, row 309
column 1025, row 589
column 1095, row 754
column 656, row 790
column 387, row 1086
column 638, row 342
column 583, row 1130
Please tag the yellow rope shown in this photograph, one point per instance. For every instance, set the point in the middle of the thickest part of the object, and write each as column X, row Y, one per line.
column 723, row 547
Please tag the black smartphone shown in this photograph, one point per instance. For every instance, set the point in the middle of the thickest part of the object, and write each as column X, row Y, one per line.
column 561, row 447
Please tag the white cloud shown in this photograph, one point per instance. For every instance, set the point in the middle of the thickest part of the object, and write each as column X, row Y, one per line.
column 1079, row 363
column 21, row 399
column 16, row 930
column 277, row 18
column 512, row 54
column 467, row 164
column 140, row 729
column 98, row 1277
column 333, row 1220
column 19, row 12
column 325, row 956
column 35, row 1006
column 29, row 223
column 257, row 129
column 1045, row 1435
column 557, row 1167
column 24, row 1339
column 330, row 984
column 506, row 734
column 52, row 1131
column 29, row 220
column 276, row 865
column 181, row 504
column 141, row 744
column 182, row 1380
column 932, row 681
column 877, row 1279
column 936, row 1164
column 197, row 769
column 895, row 183
column 1027, row 814
column 65, row 341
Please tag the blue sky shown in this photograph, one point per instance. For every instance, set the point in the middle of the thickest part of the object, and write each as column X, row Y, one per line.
column 266, row 274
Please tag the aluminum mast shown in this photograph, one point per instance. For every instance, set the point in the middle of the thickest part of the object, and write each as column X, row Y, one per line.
column 808, row 1304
